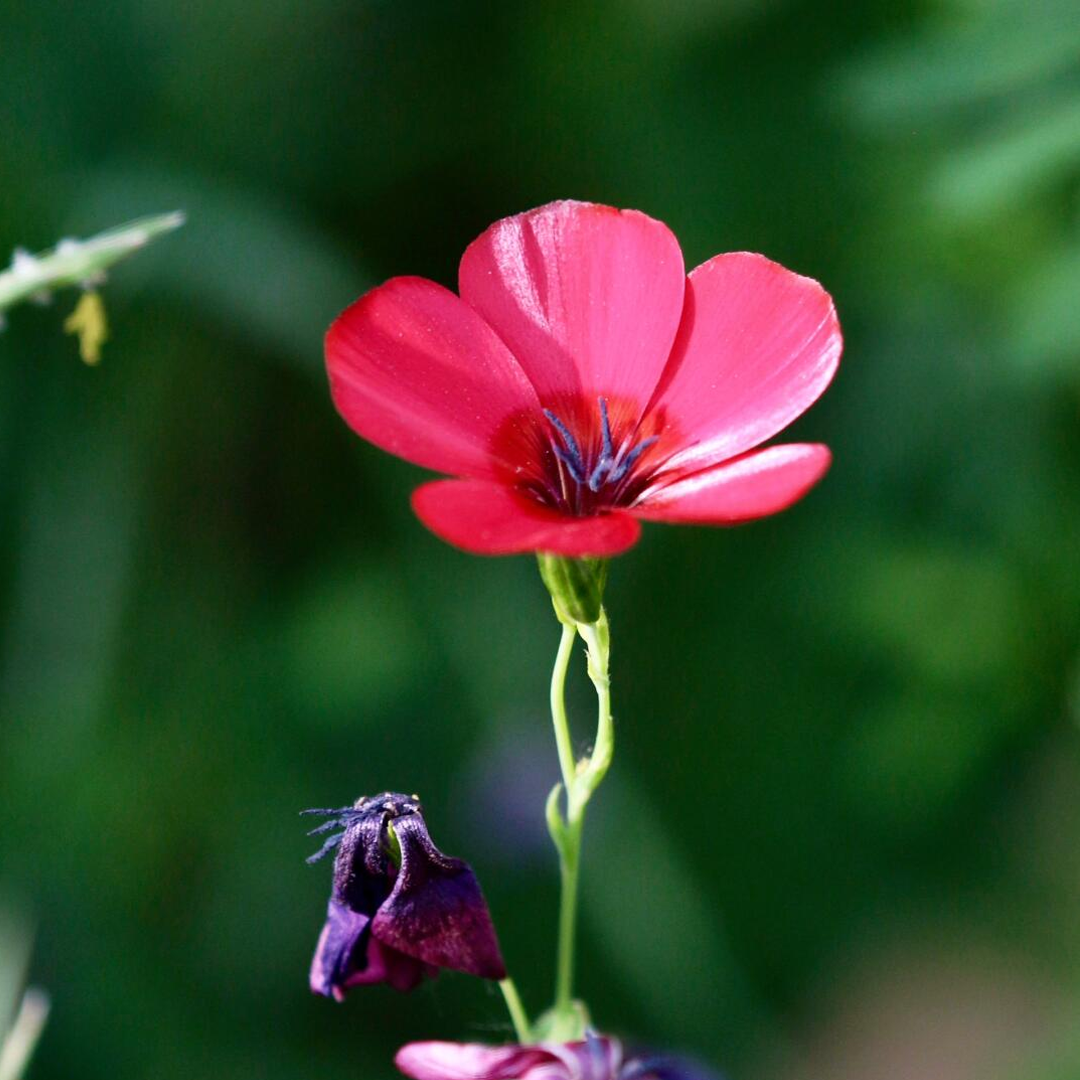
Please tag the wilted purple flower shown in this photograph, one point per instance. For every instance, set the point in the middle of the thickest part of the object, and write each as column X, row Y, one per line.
column 400, row 909
column 596, row 1057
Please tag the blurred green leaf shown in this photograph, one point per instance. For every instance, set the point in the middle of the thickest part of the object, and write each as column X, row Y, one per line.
column 352, row 649
column 1030, row 149
column 989, row 48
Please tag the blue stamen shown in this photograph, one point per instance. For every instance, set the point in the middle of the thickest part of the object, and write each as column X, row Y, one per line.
column 596, row 478
column 327, row 847
column 571, row 458
column 570, row 462
column 326, row 826
column 627, row 462
column 605, row 427
column 609, row 468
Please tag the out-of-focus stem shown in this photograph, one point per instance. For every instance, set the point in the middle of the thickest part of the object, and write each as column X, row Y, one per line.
column 518, row 1016
column 78, row 262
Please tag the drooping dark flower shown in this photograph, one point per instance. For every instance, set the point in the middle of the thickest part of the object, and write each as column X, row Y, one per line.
column 400, row 909
column 596, row 1057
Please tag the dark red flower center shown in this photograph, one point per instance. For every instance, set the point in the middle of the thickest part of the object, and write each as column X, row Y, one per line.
column 587, row 475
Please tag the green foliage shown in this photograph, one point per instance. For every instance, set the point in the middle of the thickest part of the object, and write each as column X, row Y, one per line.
column 842, row 733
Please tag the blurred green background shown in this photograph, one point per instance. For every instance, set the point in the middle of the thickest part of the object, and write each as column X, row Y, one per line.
column 843, row 835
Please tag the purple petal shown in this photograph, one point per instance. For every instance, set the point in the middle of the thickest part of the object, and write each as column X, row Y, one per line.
column 347, row 955
column 362, row 869
column 341, row 950
column 436, row 911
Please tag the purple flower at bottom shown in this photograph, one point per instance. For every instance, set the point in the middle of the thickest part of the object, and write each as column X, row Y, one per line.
column 596, row 1057
column 400, row 909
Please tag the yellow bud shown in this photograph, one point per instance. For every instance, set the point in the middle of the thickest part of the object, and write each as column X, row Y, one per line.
column 89, row 322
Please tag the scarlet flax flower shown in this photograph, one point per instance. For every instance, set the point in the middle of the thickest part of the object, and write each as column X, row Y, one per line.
column 582, row 382
column 596, row 1057
column 400, row 909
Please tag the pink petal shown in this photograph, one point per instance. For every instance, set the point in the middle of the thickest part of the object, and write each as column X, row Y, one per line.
column 466, row 1061
column 757, row 484
column 587, row 297
column 416, row 371
column 490, row 518
column 757, row 346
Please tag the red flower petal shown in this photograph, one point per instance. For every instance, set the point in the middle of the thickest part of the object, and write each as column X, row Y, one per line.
column 492, row 519
column 587, row 297
column 416, row 371
column 757, row 484
column 470, row 1061
column 757, row 346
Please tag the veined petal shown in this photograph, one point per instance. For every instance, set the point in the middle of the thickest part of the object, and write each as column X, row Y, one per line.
column 467, row 1061
column 416, row 371
column 490, row 518
column 436, row 911
column 588, row 298
column 756, row 347
column 755, row 485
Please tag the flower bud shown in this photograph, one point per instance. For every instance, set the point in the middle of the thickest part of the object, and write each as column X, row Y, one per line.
column 576, row 586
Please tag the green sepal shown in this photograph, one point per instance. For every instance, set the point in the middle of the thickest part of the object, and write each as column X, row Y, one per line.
column 568, row 1025
column 576, row 586
column 393, row 844
column 556, row 825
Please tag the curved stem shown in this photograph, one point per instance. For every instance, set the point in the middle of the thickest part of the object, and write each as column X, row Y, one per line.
column 522, row 1027
column 558, row 706
column 596, row 637
column 579, row 782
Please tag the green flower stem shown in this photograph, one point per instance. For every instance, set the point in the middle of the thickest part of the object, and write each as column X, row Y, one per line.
column 580, row 780
column 78, row 262
column 569, row 867
column 597, row 637
column 522, row 1027
column 558, row 705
